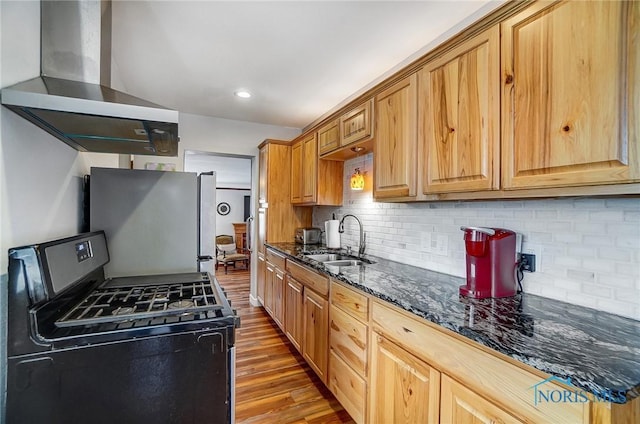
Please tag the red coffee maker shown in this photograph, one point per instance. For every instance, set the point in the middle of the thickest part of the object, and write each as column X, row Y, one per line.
column 491, row 262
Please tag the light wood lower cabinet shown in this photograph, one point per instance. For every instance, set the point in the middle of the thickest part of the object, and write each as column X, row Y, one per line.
column 294, row 314
column 260, row 278
column 274, row 286
column 462, row 406
column 348, row 387
column 386, row 365
column 315, row 345
column 404, row 389
column 349, row 339
column 278, row 298
column 501, row 382
column 269, row 276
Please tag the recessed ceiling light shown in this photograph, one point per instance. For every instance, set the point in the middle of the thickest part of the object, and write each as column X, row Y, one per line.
column 243, row 94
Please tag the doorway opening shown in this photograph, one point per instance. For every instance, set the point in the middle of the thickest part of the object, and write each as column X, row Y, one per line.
column 230, row 211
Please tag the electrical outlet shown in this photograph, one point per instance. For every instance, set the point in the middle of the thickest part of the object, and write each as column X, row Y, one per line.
column 528, row 262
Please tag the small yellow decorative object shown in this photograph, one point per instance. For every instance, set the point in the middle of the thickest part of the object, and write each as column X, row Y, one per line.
column 357, row 180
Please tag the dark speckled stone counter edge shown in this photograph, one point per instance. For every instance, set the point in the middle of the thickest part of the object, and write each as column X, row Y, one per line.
column 592, row 350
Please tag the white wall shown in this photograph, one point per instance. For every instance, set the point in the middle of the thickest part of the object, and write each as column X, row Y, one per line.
column 235, row 199
column 40, row 177
column 587, row 249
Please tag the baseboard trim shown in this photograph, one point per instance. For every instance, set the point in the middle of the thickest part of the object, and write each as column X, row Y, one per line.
column 254, row 300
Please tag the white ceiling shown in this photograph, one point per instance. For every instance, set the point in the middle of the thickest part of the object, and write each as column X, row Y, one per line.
column 300, row 59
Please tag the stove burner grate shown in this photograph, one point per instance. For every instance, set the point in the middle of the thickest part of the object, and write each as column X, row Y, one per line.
column 119, row 304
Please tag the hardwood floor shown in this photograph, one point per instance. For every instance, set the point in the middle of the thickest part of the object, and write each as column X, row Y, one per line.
column 274, row 384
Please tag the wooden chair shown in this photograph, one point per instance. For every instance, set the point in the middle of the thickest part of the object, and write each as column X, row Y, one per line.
column 227, row 253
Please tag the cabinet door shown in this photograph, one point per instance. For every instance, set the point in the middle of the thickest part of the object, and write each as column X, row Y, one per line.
column 293, row 314
column 403, row 388
column 268, row 287
column 462, row 406
column 571, row 103
column 260, row 278
column 262, row 174
column 329, row 137
column 395, row 145
column 278, row 298
column 356, row 124
column 459, row 109
column 296, row 173
column 310, row 169
column 315, row 346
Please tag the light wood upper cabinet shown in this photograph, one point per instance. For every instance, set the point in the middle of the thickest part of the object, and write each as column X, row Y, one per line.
column 571, row 105
column 310, row 169
column 459, row 110
column 262, row 175
column 277, row 219
column 404, row 389
column 329, row 137
column 314, row 181
column 395, row 159
column 296, row 173
column 462, row 406
column 356, row 124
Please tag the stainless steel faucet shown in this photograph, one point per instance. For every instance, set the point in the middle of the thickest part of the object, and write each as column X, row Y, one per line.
column 363, row 236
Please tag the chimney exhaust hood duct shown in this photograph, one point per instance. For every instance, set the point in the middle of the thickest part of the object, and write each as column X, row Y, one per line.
column 72, row 99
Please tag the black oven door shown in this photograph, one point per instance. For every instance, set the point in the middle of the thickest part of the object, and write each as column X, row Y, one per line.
column 181, row 378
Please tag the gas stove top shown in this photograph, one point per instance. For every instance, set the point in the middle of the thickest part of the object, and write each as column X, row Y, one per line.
column 176, row 297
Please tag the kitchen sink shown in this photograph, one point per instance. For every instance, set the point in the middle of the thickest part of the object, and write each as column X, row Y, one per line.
column 326, row 257
column 344, row 262
column 336, row 259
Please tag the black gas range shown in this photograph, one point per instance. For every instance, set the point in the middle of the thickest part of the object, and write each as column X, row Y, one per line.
column 85, row 348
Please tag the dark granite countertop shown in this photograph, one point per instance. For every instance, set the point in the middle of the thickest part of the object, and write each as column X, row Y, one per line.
column 597, row 351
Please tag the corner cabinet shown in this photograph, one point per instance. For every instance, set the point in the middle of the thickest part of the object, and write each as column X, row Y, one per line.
column 314, row 181
column 570, row 95
column 395, row 158
column 459, row 110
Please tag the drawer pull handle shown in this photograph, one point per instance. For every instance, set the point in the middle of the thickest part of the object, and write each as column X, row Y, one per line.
column 406, row 330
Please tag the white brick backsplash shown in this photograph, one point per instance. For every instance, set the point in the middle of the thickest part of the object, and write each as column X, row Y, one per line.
column 615, row 281
column 587, row 249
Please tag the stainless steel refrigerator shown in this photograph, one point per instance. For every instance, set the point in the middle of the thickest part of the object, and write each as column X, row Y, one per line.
column 156, row 222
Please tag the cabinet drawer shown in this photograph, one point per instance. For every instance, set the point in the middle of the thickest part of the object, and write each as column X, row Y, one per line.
column 350, row 301
column 311, row 279
column 348, row 387
column 275, row 258
column 348, row 338
column 499, row 381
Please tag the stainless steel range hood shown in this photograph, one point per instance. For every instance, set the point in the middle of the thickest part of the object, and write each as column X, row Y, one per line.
column 71, row 99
